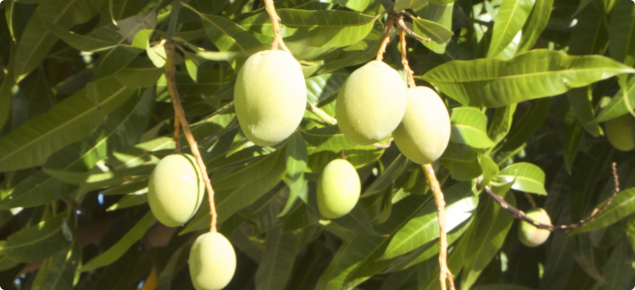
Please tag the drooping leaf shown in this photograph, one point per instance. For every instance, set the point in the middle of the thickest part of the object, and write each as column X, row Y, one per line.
column 439, row 13
column 573, row 133
column 509, row 21
column 622, row 206
column 461, row 161
column 531, row 75
column 275, row 267
column 122, row 246
column 58, row 272
column 437, row 33
column 617, row 106
column 389, row 175
column 32, row 143
column 37, row 190
column 528, row 177
column 538, row 20
column 39, row 241
column 622, row 33
column 469, row 127
column 617, row 275
column 528, row 124
column 295, row 155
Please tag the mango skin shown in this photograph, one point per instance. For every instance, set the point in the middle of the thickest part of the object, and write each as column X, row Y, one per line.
column 270, row 97
column 212, row 261
column 619, row 132
column 338, row 189
column 531, row 236
column 175, row 189
column 371, row 103
column 424, row 131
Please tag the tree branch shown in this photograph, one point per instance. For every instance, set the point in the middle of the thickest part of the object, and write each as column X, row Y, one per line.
column 277, row 36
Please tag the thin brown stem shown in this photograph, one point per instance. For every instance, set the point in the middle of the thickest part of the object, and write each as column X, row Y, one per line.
column 386, row 40
column 177, row 139
column 519, row 214
column 404, row 58
column 321, row 114
column 277, row 36
column 381, row 146
column 404, row 27
column 180, row 113
column 444, row 271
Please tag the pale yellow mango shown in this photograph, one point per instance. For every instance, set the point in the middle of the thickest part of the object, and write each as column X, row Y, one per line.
column 531, row 236
column 212, row 262
column 338, row 189
column 619, row 132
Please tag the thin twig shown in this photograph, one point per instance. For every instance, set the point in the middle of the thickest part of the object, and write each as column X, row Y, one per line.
column 381, row 146
column 321, row 114
column 384, row 42
column 178, row 108
column 399, row 21
column 404, row 58
column 177, row 139
column 444, row 271
column 277, row 36
column 519, row 214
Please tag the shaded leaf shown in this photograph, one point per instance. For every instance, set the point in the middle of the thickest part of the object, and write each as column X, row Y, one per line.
column 469, row 127
column 623, row 205
column 461, row 161
column 621, row 34
column 295, row 155
column 58, row 272
column 277, row 261
column 39, row 241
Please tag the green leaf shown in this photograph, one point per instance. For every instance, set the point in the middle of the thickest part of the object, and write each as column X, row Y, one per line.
column 621, row 207
column 295, row 155
column 510, row 18
column 323, row 87
column 328, row 138
column 58, row 272
column 32, row 143
column 40, row 241
column 388, row 176
column 528, row 124
column 501, row 287
column 617, row 106
column 165, row 278
column 437, row 33
column 528, row 177
column 275, row 267
column 37, row 40
column 535, row 74
column 119, row 249
column 5, row 95
column 461, row 161
column 297, row 188
column 491, row 227
column 423, row 228
column 469, row 127
column 622, row 33
column 489, row 167
column 401, row 5
column 439, row 13
column 538, row 20
column 37, row 190
column 616, row 270
column 573, row 133
column 140, row 73
column 501, row 123
column 586, row 177
column 129, row 200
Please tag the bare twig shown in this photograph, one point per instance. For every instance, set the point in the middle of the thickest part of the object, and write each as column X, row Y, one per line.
column 177, row 139
column 277, row 36
column 321, row 114
column 519, row 214
column 444, row 271
column 384, row 42
column 178, row 109
column 404, row 27
column 404, row 58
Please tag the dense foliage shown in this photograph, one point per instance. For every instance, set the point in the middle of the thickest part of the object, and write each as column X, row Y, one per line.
column 85, row 116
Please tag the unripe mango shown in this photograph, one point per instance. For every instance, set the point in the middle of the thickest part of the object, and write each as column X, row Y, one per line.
column 531, row 236
column 371, row 103
column 269, row 97
column 212, row 262
column 175, row 189
column 338, row 189
column 424, row 131
column 619, row 132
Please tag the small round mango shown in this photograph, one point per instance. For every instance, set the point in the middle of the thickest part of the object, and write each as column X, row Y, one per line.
column 619, row 132
column 269, row 97
column 531, row 236
column 371, row 103
column 212, row 262
column 175, row 189
column 338, row 189
column 424, row 131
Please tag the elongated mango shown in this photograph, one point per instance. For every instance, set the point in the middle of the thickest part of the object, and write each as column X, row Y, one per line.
column 371, row 103
column 619, row 132
column 424, row 131
column 175, row 189
column 338, row 189
column 212, row 262
column 269, row 97
column 531, row 236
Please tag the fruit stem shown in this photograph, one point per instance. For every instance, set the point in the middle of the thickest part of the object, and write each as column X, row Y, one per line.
column 277, row 36
column 404, row 58
column 444, row 271
column 180, row 115
column 519, row 214
column 386, row 40
column 177, row 140
column 321, row 114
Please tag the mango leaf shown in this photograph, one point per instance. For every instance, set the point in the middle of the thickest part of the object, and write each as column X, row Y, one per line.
column 5, row 95
column 295, row 155
column 428, row 272
column 617, row 275
column 489, row 167
column 501, row 123
column 461, row 161
column 39, row 241
column 328, row 138
column 490, row 229
column 469, row 127
column 259, row 167
column 439, row 13
column 388, row 176
column 69, row 121
column 119, row 249
column 58, row 272
column 277, row 260
column 586, row 177
column 573, row 133
column 528, row 177
column 323, row 87
column 522, row 131
column 509, row 20
column 622, row 206
column 129, row 200
column 622, row 33
column 617, row 106
column 423, row 228
column 37, row 190
column 429, row 29
column 37, row 40
column 401, row 5
column 140, row 73
column 319, row 28
column 538, row 20
column 535, row 74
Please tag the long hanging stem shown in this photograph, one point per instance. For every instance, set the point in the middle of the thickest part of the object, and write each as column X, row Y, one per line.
column 277, row 36
column 386, row 40
column 404, row 58
column 180, row 114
